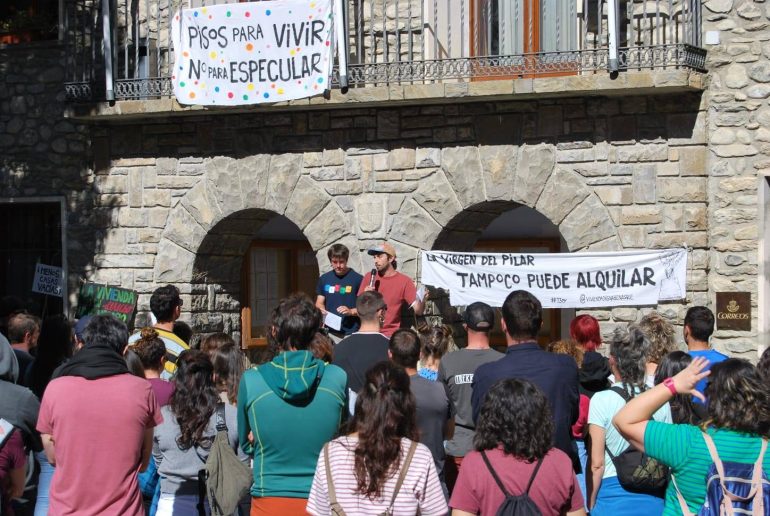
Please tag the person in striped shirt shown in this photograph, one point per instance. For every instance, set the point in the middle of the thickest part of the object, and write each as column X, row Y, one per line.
column 738, row 418
column 166, row 306
column 379, row 467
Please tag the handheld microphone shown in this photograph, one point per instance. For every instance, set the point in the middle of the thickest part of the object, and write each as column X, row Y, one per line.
column 373, row 278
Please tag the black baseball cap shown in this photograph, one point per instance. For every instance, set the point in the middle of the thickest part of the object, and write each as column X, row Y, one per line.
column 479, row 316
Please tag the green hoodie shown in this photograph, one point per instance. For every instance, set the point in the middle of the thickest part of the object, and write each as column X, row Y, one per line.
column 293, row 406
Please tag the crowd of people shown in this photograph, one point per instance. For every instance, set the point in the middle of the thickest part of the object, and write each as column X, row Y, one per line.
column 363, row 414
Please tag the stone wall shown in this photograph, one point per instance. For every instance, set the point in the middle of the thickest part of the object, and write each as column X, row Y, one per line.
column 739, row 148
column 41, row 152
column 189, row 193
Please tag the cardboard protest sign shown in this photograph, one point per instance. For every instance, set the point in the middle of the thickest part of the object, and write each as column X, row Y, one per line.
column 94, row 299
column 563, row 280
column 251, row 53
column 48, row 280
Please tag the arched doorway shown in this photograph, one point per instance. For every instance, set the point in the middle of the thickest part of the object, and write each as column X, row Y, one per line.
column 245, row 264
column 506, row 226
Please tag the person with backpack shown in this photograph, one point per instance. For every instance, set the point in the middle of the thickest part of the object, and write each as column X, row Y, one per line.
column 182, row 443
column 709, row 467
column 378, row 467
column 515, row 468
column 609, row 490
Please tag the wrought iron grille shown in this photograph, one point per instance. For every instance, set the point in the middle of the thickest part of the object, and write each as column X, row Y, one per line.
column 404, row 41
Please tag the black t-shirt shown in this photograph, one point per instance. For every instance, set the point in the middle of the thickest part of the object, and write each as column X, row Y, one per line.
column 356, row 353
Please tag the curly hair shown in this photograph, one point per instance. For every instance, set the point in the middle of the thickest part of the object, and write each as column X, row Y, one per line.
column 434, row 340
column 661, row 334
column 738, row 398
column 630, row 348
column 585, row 330
column 385, row 413
column 150, row 349
column 229, row 363
column 195, row 396
column 516, row 415
column 568, row 347
column 682, row 407
column 763, row 366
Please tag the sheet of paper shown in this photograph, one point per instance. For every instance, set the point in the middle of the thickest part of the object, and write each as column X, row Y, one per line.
column 421, row 294
column 333, row 321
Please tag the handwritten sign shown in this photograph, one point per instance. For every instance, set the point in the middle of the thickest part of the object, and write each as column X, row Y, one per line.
column 95, row 299
column 564, row 280
column 48, row 280
column 252, row 53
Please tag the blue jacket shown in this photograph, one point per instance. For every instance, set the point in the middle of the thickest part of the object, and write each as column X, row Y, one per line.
column 556, row 375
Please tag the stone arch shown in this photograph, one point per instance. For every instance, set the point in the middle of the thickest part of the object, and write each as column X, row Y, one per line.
column 209, row 229
column 473, row 185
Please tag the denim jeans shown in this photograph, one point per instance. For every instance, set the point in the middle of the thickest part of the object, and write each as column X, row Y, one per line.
column 43, row 484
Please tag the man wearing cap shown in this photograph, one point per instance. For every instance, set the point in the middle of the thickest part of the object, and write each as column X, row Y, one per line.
column 397, row 289
column 456, row 373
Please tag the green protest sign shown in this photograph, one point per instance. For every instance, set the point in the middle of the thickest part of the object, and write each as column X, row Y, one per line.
column 94, row 299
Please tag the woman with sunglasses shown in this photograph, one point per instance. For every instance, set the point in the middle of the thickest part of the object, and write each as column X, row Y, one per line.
column 182, row 442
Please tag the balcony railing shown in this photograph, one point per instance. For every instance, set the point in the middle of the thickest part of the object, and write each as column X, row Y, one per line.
column 121, row 49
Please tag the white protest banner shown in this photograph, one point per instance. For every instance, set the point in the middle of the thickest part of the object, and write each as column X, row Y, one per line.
column 566, row 280
column 251, row 53
column 48, row 280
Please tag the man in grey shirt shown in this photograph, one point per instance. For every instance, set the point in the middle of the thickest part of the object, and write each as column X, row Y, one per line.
column 433, row 407
column 456, row 374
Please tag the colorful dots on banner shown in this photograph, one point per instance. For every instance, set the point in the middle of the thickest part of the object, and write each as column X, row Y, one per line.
column 195, row 14
column 249, row 47
column 250, row 87
column 268, row 12
column 203, row 10
column 181, row 83
column 213, row 55
column 230, row 95
column 292, row 52
column 280, row 91
column 216, row 89
column 245, row 97
column 228, row 14
column 312, row 4
column 266, row 95
column 247, row 14
column 192, row 94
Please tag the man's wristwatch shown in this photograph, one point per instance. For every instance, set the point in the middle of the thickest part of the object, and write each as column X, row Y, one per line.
column 669, row 383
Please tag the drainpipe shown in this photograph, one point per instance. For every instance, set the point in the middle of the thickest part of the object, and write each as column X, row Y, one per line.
column 612, row 34
column 107, row 50
column 342, row 44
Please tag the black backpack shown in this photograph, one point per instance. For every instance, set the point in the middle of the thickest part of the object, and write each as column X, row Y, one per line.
column 636, row 470
column 518, row 505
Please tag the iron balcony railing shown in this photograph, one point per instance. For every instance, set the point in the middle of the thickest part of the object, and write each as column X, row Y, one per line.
column 121, row 49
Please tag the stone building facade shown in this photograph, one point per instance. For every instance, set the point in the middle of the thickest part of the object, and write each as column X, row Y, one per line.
column 158, row 193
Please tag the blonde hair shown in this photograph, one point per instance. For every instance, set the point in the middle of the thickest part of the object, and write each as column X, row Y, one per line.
column 568, row 347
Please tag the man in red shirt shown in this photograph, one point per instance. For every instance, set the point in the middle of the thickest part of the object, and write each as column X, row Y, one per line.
column 396, row 288
column 96, row 421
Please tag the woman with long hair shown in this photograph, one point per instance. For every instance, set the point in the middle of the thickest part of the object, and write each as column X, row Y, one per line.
column 683, row 410
column 514, row 452
column 629, row 350
column 229, row 364
column 182, row 442
column 379, row 466
column 737, row 421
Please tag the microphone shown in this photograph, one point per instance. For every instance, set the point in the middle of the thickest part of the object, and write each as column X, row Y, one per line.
column 373, row 278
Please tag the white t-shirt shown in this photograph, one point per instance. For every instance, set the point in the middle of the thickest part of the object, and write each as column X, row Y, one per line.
column 604, row 405
column 421, row 488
